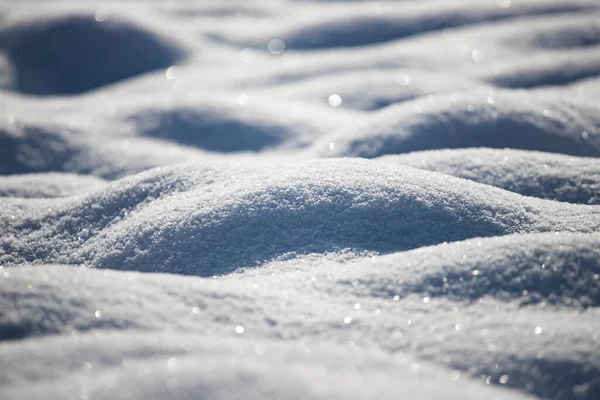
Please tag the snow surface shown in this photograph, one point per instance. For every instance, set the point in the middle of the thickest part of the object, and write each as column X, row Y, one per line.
column 300, row 199
column 545, row 175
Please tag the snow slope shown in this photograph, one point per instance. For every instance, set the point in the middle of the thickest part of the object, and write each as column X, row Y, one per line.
column 300, row 199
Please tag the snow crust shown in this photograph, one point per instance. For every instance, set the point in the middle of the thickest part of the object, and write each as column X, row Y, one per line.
column 300, row 199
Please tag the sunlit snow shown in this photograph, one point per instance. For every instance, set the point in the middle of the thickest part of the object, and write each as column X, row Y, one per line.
column 300, row 199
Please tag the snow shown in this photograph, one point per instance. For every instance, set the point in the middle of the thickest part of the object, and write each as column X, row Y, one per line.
column 398, row 306
column 211, row 219
column 180, row 366
column 496, row 119
column 47, row 185
column 44, row 66
column 545, row 175
column 300, row 199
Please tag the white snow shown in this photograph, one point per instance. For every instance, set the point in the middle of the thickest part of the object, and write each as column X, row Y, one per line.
column 300, row 199
column 545, row 175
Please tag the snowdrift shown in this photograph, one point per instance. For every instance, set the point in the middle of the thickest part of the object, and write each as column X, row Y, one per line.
column 295, row 199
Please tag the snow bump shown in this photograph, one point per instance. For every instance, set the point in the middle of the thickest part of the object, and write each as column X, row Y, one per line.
column 77, row 53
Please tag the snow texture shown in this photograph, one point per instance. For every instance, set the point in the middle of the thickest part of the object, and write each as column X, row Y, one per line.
column 300, row 199
column 537, row 174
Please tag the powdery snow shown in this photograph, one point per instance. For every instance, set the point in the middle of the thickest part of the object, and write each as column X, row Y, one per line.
column 545, row 175
column 300, row 199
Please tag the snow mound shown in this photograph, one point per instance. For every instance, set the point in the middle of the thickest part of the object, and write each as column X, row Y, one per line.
column 535, row 73
column 30, row 146
column 497, row 308
column 75, row 53
column 385, row 87
column 214, row 125
column 145, row 365
column 526, row 270
column 209, row 131
column 368, row 24
column 48, row 185
column 37, row 148
column 571, row 32
column 544, row 175
column 213, row 218
column 561, row 269
column 494, row 119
